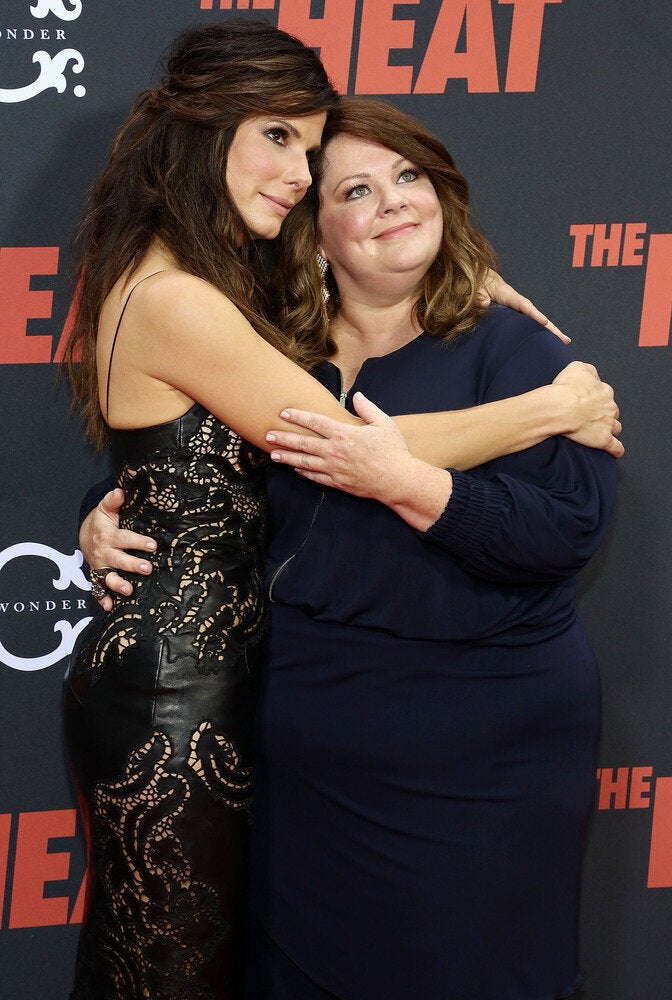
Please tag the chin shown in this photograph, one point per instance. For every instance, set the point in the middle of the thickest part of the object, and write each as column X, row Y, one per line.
column 412, row 263
column 266, row 231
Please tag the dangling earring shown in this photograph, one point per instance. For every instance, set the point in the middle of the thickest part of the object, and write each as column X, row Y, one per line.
column 322, row 266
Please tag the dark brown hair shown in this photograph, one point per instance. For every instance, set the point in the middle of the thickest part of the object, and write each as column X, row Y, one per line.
column 165, row 177
column 447, row 302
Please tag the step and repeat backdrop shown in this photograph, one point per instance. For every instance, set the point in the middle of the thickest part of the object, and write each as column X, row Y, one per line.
column 558, row 113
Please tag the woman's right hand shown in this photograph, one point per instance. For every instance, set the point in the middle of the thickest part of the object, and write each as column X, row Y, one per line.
column 595, row 423
column 103, row 544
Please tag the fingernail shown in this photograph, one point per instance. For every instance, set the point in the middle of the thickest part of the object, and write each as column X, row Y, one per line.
column 126, row 589
column 275, row 455
column 270, row 438
column 144, row 567
column 150, row 545
column 285, row 414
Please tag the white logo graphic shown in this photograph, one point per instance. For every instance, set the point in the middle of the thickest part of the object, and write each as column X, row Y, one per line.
column 44, row 7
column 52, row 68
column 69, row 573
column 51, row 75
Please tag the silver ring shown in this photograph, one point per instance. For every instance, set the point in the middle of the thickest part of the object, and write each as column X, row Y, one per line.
column 97, row 577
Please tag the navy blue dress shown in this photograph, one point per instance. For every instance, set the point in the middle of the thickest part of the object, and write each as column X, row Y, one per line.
column 428, row 725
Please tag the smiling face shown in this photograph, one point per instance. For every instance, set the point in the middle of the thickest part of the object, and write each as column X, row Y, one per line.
column 379, row 218
column 267, row 168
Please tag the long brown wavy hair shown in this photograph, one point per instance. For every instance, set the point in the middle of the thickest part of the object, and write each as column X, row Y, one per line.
column 165, row 179
column 447, row 302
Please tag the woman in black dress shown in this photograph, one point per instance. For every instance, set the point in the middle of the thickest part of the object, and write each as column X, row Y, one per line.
column 160, row 694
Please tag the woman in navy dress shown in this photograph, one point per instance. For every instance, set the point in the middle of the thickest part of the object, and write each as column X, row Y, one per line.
column 429, row 719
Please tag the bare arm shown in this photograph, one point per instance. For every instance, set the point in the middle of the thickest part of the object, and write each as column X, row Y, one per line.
column 183, row 335
column 195, row 340
column 577, row 404
column 183, row 340
column 201, row 344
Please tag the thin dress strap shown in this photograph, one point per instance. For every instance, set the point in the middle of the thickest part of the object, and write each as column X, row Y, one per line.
column 114, row 340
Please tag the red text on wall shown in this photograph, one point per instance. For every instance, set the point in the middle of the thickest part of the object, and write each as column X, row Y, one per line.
column 461, row 45
column 626, row 245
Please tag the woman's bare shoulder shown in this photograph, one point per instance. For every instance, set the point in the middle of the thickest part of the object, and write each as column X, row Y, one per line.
column 166, row 300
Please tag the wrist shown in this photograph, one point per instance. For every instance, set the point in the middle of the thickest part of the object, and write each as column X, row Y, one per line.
column 561, row 410
column 422, row 495
column 394, row 485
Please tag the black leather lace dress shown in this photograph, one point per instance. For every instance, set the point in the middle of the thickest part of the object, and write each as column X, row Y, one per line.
column 159, row 700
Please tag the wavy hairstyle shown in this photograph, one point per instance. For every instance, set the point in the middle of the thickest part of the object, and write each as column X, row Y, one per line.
column 447, row 303
column 165, row 178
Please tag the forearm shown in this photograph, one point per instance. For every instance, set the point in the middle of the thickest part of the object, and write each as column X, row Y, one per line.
column 463, row 439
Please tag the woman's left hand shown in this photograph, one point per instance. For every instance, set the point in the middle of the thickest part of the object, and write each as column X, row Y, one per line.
column 368, row 460
column 496, row 289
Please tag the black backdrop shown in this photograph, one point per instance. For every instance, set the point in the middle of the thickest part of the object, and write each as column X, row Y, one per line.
column 558, row 113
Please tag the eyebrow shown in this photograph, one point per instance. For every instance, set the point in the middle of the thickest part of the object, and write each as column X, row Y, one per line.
column 364, row 176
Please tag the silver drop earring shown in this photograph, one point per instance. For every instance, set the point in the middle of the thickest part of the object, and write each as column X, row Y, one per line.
column 322, row 266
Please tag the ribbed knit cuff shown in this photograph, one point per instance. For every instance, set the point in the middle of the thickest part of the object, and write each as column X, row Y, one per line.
column 471, row 517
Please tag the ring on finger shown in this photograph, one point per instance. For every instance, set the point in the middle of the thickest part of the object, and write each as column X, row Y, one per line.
column 98, row 577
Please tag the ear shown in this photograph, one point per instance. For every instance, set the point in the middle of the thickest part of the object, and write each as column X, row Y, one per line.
column 321, row 252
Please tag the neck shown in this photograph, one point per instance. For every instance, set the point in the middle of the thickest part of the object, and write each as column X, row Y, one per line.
column 377, row 325
column 362, row 331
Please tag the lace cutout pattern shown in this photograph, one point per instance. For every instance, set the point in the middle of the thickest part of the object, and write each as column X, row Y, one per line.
column 162, row 924
column 163, row 694
column 217, row 763
column 203, row 502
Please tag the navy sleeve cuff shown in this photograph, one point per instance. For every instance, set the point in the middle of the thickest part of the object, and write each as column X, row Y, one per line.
column 470, row 517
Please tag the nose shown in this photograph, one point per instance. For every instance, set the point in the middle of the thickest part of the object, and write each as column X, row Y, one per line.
column 298, row 173
column 392, row 199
